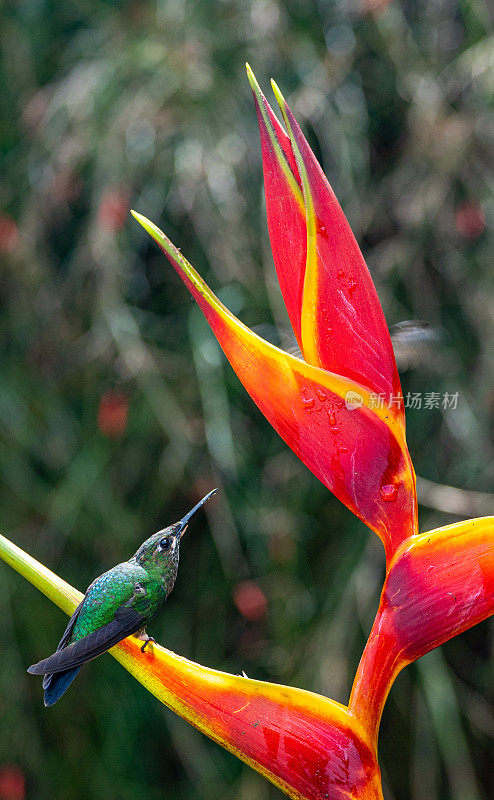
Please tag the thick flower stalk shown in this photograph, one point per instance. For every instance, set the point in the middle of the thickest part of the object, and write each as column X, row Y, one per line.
column 437, row 584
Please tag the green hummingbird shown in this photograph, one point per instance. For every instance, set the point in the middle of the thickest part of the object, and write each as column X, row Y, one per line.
column 119, row 603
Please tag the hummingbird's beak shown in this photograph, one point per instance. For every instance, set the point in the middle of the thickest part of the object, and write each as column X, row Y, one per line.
column 185, row 520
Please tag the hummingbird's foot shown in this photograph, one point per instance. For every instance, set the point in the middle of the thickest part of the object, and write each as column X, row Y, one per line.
column 142, row 635
column 149, row 639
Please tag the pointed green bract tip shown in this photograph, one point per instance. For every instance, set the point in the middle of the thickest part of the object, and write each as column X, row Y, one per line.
column 252, row 79
column 149, row 226
column 156, row 233
column 277, row 93
column 139, row 217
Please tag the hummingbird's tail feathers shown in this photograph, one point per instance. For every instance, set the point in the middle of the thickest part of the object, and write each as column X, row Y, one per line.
column 56, row 684
column 127, row 621
column 37, row 669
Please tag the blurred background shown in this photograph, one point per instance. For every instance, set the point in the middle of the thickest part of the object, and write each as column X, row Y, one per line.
column 118, row 410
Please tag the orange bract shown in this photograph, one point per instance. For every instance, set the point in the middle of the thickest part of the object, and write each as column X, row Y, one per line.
column 359, row 453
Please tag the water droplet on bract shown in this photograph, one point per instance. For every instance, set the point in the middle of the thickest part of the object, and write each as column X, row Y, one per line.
column 321, row 395
column 321, row 229
column 341, row 274
column 335, row 429
column 308, row 402
column 352, row 287
column 332, row 418
column 388, row 493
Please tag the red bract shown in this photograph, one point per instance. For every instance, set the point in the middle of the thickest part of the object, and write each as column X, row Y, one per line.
column 342, row 324
column 324, row 406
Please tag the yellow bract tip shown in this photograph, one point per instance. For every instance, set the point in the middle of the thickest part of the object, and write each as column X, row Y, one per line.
column 140, row 218
column 277, row 93
column 149, row 226
column 252, row 79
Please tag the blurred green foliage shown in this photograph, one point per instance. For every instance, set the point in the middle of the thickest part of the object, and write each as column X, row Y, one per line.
column 117, row 408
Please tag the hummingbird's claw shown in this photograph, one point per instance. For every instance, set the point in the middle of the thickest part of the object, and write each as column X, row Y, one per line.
column 143, row 636
column 149, row 639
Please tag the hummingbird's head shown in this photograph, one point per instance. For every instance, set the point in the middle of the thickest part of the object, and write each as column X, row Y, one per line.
column 159, row 554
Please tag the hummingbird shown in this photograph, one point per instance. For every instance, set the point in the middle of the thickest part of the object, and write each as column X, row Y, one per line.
column 119, row 603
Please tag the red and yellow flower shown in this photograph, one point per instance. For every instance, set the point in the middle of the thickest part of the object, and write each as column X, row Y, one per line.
column 437, row 584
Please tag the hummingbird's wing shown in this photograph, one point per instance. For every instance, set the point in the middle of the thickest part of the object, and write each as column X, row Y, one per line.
column 128, row 620
column 70, row 626
column 65, row 638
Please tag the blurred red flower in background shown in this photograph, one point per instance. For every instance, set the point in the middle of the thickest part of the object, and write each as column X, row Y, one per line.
column 470, row 220
column 9, row 234
column 113, row 209
column 113, row 412
column 12, row 783
column 250, row 600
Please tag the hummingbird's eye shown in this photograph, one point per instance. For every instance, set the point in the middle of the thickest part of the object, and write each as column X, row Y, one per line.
column 165, row 543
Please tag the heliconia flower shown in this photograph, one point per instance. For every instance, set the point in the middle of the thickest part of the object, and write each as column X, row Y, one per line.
column 322, row 405
column 437, row 584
